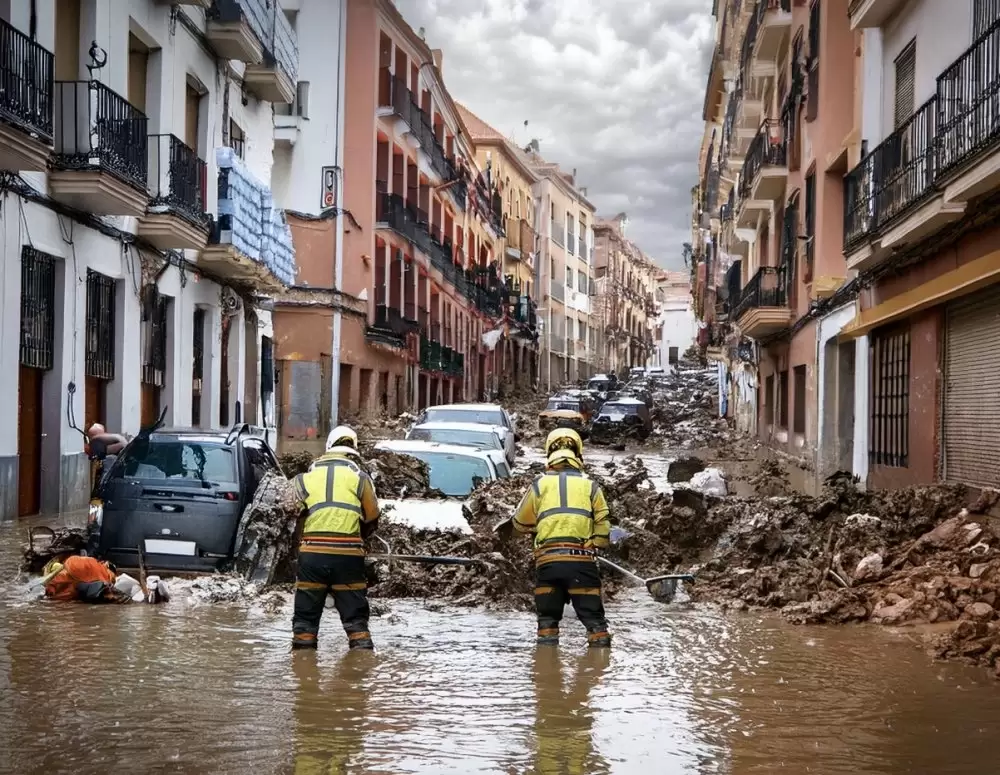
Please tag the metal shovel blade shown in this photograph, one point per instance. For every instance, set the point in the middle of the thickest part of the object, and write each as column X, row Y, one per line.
column 663, row 589
column 504, row 529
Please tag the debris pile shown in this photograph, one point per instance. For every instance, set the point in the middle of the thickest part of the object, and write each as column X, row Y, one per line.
column 45, row 544
column 267, row 537
column 771, row 479
column 398, row 476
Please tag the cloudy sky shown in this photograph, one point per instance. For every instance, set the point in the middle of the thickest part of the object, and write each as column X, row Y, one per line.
column 613, row 88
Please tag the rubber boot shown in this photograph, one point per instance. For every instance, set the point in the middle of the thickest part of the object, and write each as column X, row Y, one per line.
column 360, row 640
column 548, row 635
column 599, row 640
column 304, row 640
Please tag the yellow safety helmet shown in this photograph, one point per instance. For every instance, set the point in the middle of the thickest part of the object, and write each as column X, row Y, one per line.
column 342, row 436
column 564, row 439
column 563, row 455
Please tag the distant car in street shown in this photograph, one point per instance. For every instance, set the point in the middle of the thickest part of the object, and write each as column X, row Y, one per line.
column 493, row 415
column 453, row 469
column 622, row 416
column 567, row 411
column 485, row 438
column 178, row 494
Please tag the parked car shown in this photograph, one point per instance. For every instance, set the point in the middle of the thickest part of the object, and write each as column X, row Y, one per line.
column 567, row 411
column 453, row 469
column 480, row 414
column 622, row 416
column 178, row 494
column 485, row 438
column 603, row 383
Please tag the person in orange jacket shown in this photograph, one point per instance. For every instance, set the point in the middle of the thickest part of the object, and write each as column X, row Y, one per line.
column 80, row 578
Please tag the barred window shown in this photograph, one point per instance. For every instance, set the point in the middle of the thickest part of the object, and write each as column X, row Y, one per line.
column 197, row 365
column 38, row 289
column 100, row 358
column 985, row 14
column 890, row 398
column 154, row 350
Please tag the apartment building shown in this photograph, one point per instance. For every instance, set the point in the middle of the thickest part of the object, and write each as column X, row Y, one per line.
column 767, row 246
column 675, row 327
column 920, row 232
column 507, row 171
column 624, row 300
column 400, row 298
column 142, row 244
column 565, row 221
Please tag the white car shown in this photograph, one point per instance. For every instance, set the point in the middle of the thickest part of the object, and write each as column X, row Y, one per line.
column 453, row 469
column 485, row 438
column 492, row 415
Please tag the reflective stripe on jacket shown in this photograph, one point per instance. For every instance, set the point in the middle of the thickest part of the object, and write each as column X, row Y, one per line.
column 338, row 497
column 567, row 512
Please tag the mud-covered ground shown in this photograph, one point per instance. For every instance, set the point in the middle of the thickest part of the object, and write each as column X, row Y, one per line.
column 913, row 557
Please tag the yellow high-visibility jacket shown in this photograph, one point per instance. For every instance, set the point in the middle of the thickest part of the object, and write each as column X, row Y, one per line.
column 564, row 508
column 338, row 497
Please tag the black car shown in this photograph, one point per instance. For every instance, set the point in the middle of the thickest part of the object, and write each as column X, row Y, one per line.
column 178, row 494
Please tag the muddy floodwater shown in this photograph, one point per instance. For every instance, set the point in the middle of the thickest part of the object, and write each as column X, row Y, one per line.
column 213, row 688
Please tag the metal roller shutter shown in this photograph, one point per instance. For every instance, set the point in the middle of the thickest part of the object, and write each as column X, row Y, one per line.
column 972, row 391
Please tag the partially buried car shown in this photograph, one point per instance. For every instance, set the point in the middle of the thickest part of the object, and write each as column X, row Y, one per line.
column 492, row 415
column 484, row 438
column 620, row 418
column 566, row 411
column 177, row 495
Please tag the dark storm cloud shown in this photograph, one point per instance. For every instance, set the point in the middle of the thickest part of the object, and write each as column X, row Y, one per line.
column 613, row 89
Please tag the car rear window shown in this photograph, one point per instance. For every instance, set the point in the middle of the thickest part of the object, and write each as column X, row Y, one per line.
column 453, row 475
column 465, row 438
column 182, row 462
column 620, row 410
column 476, row 417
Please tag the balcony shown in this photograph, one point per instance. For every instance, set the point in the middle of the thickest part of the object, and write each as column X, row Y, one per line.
column 388, row 328
column 774, row 25
column 872, row 13
column 251, row 246
column 26, row 88
column 233, row 27
column 176, row 217
column 765, row 171
column 100, row 162
column 763, row 306
column 275, row 78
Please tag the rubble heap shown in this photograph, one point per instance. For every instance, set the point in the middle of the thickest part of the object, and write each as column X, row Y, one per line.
column 44, row 545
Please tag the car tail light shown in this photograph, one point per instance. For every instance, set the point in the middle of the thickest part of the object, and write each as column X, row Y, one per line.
column 228, row 496
column 96, row 515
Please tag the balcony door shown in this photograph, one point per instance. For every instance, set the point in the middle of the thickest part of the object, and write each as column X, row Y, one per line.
column 138, row 67
column 67, row 40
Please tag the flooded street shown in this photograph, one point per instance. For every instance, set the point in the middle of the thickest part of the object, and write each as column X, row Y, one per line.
column 210, row 688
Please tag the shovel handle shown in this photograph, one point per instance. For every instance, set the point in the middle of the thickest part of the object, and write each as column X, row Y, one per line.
column 620, row 569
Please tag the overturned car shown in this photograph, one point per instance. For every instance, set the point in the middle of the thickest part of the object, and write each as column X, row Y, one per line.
column 621, row 418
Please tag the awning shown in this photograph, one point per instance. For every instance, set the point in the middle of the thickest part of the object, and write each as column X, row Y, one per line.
column 967, row 279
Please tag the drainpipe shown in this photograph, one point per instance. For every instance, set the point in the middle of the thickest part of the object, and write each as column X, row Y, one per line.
column 338, row 272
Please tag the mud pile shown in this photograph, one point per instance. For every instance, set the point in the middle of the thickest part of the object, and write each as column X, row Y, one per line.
column 46, row 544
column 267, row 537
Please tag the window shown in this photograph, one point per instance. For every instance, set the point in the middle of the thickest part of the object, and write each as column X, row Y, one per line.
column 673, row 354
column 154, row 339
column 181, row 462
column 38, row 288
column 569, row 277
column 799, row 411
column 570, row 235
column 890, row 397
column 582, row 282
column 985, row 14
column 454, row 475
column 810, row 225
column 783, row 399
column 302, row 99
column 768, row 399
column 197, row 365
column 237, row 140
column 484, row 439
column 260, row 461
column 906, row 68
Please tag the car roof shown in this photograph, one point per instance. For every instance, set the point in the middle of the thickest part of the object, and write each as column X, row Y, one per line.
column 445, row 425
column 413, row 445
column 467, row 407
column 625, row 401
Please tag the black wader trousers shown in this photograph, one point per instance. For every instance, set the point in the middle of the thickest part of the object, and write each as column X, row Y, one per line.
column 579, row 582
column 344, row 577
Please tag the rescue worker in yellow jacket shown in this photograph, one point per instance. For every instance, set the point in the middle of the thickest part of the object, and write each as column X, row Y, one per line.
column 341, row 511
column 568, row 515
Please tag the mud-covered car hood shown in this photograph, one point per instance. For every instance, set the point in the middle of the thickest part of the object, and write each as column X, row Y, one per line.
column 445, row 514
column 560, row 414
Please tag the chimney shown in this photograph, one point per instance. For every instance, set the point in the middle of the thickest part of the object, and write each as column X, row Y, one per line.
column 438, row 56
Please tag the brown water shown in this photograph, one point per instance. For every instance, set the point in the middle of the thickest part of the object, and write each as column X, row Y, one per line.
column 213, row 689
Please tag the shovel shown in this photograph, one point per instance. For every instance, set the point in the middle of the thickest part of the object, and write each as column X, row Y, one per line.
column 425, row 559
column 661, row 588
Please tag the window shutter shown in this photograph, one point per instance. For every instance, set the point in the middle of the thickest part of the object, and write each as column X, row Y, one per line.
column 906, row 74
column 985, row 13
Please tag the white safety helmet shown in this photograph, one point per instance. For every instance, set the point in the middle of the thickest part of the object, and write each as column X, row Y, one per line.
column 342, row 436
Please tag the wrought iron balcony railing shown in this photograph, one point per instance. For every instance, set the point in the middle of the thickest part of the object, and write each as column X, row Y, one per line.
column 98, row 129
column 769, row 148
column 767, row 288
column 26, row 83
column 178, row 178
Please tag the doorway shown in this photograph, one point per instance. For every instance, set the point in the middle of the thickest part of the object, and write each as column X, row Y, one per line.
column 29, row 441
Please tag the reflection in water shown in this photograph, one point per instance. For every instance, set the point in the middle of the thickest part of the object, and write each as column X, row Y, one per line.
column 564, row 718
column 330, row 711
